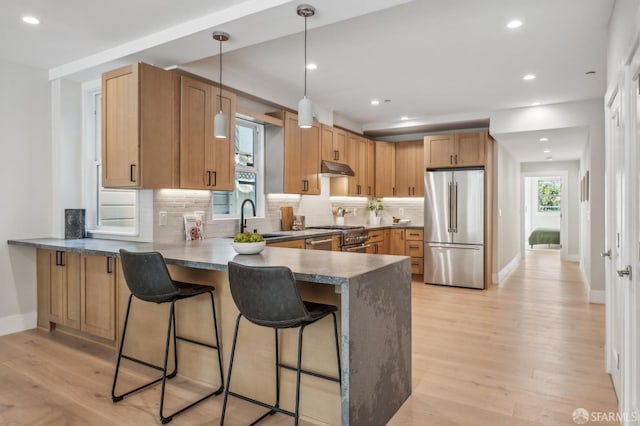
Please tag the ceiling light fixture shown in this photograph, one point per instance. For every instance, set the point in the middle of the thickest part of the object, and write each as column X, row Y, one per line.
column 305, row 113
column 544, row 139
column 529, row 77
column 30, row 20
column 375, row 102
column 535, row 104
column 404, row 118
column 547, row 151
column 516, row 23
column 312, row 66
column 220, row 121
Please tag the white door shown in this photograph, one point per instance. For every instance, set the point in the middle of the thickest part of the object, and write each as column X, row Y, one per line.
column 617, row 176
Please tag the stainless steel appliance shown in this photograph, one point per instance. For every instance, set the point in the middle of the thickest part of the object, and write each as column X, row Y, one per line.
column 318, row 243
column 352, row 238
column 454, row 227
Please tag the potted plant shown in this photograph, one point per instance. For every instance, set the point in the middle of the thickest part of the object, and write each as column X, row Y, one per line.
column 375, row 208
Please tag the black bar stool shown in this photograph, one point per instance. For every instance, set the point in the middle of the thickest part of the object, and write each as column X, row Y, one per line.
column 269, row 297
column 148, row 279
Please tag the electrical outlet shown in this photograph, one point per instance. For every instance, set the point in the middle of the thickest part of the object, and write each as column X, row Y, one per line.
column 354, row 211
column 162, row 219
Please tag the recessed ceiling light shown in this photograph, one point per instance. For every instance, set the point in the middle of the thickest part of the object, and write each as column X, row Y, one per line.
column 404, row 118
column 544, row 139
column 535, row 104
column 549, row 158
column 375, row 102
column 529, row 77
column 30, row 20
column 513, row 24
column 312, row 66
column 547, row 151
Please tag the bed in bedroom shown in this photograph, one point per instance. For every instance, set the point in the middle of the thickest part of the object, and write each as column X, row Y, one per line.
column 544, row 236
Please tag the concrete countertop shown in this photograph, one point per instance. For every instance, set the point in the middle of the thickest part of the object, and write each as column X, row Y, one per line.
column 319, row 266
column 390, row 226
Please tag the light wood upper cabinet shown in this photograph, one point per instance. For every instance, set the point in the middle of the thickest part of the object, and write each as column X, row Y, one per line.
column 140, row 113
column 206, row 162
column 385, row 169
column 455, row 150
column 409, row 169
column 98, row 306
column 302, row 153
column 333, row 144
column 361, row 158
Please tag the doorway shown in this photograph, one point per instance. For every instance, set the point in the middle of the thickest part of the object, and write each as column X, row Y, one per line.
column 544, row 211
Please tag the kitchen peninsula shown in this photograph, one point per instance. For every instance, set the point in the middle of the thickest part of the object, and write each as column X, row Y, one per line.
column 372, row 292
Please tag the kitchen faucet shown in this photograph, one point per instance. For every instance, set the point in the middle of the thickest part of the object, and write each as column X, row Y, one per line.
column 243, row 221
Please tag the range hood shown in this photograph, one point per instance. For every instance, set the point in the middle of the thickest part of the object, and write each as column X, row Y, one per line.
column 334, row 169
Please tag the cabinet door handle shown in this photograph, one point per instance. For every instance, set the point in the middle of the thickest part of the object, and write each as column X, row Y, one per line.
column 375, row 248
column 336, row 154
column 394, row 191
column 409, row 191
column 109, row 269
column 456, row 158
column 368, row 190
column 61, row 258
column 132, row 170
column 208, row 178
column 57, row 258
column 451, row 159
column 401, row 235
column 215, row 178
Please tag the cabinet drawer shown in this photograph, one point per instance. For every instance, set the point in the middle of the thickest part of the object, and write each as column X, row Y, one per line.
column 415, row 235
column 414, row 248
column 376, row 236
column 299, row 244
column 416, row 265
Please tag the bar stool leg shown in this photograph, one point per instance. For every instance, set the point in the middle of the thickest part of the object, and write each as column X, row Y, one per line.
column 115, row 398
column 277, row 404
column 233, row 354
column 335, row 330
column 298, row 373
column 215, row 328
column 164, row 419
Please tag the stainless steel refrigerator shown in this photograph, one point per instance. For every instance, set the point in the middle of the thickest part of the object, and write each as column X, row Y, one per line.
column 454, row 227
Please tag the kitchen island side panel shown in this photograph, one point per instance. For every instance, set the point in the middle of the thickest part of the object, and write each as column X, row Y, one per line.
column 379, row 344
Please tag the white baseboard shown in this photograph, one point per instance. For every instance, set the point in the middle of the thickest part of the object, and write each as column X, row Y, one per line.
column 509, row 268
column 597, row 296
column 572, row 258
column 594, row 296
column 15, row 323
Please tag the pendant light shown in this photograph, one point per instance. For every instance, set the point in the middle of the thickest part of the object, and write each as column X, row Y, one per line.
column 305, row 113
column 220, row 121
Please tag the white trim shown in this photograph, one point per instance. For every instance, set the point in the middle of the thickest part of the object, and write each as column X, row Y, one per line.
column 597, row 297
column 509, row 268
column 16, row 323
column 572, row 258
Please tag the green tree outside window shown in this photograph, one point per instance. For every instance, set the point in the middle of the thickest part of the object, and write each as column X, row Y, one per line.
column 549, row 195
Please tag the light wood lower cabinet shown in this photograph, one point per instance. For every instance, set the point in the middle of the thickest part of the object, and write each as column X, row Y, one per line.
column 76, row 291
column 98, row 296
column 396, row 241
column 299, row 244
column 376, row 242
column 408, row 242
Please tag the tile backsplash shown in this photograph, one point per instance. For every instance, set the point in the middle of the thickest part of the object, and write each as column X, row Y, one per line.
column 317, row 209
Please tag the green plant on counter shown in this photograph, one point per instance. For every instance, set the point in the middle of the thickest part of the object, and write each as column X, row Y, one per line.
column 375, row 205
column 248, row 237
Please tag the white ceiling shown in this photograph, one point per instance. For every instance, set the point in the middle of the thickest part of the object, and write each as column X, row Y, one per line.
column 431, row 58
column 564, row 144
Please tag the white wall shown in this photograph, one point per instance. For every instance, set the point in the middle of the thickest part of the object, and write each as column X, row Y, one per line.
column 25, row 179
column 623, row 28
column 508, row 194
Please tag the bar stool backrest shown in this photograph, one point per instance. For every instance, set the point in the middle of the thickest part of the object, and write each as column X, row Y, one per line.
column 147, row 276
column 267, row 296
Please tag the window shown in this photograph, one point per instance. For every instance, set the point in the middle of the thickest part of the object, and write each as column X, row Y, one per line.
column 109, row 210
column 249, row 148
column 549, row 195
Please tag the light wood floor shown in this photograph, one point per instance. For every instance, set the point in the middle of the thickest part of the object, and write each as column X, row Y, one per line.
column 528, row 352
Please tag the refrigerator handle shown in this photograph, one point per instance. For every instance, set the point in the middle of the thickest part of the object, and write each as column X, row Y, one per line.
column 449, row 224
column 455, row 229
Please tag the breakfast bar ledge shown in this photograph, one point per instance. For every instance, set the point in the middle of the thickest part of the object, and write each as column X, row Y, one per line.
column 372, row 292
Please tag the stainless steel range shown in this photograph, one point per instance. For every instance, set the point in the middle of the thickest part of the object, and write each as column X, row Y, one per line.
column 352, row 239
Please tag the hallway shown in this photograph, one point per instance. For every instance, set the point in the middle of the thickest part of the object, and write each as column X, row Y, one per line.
column 529, row 351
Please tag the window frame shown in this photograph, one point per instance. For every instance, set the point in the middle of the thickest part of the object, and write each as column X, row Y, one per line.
column 258, row 169
column 92, row 146
column 542, row 210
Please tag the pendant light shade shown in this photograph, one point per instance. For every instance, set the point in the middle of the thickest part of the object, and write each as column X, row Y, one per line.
column 305, row 108
column 220, row 121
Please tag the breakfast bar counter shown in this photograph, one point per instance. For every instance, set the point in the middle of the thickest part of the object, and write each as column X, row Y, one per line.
column 372, row 292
